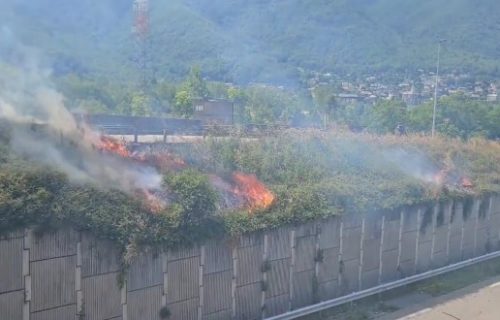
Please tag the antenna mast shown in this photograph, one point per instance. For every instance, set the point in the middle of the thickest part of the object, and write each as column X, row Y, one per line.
column 141, row 30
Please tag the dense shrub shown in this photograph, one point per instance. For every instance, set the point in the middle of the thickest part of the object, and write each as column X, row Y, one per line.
column 313, row 175
column 195, row 199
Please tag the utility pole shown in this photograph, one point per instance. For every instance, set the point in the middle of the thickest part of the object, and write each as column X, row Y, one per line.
column 436, row 87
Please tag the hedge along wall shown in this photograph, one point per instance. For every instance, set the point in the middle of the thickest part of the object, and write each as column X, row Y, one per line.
column 71, row 275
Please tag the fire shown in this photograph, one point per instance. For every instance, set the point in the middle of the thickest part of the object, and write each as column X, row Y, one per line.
column 466, row 182
column 444, row 176
column 167, row 161
column 245, row 191
column 112, row 145
column 255, row 192
column 152, row 201
column 440, row 177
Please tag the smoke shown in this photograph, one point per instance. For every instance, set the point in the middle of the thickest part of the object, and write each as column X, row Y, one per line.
column 46, row 132
column 412, row 163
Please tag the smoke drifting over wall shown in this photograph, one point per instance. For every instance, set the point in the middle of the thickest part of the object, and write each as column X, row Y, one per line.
column 45, row 131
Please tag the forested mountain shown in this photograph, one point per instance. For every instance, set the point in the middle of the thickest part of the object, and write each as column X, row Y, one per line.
column 258, row 40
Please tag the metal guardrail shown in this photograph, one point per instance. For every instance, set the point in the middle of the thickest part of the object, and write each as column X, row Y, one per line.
column 381, row 288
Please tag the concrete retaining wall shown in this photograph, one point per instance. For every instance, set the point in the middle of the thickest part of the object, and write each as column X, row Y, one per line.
column 69, row 275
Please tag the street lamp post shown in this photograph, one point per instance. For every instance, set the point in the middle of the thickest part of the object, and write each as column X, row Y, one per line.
column 436, row 88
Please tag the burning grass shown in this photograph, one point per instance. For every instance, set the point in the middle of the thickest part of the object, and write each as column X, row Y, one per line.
column 236, row 185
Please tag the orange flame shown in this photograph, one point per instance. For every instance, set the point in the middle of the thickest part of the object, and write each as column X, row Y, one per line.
column 112, row 145
column 445, row 177
column 255, row 192
column 466, row 183
column 440, row 177
column 168, row 161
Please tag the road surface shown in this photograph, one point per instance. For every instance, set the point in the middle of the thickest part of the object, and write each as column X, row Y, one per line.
column 476, row 302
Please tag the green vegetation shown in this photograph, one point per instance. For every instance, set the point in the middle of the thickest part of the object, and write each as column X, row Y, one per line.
column 195, row 198
column 313, row 175
column 257, row 41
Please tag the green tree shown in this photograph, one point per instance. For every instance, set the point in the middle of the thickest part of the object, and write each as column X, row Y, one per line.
column 457, row 116
column 420, row 118
column 492, row 124
column 140, row 104
column 195, row 85
column 269, row 105
column 386, row 115
column 183, row 105
column 325, row 102
column 240, row 99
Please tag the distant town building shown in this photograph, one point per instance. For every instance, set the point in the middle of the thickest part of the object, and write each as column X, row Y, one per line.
column 214, row 111
column 348, row 98
column 411, row 97
column 492, row 97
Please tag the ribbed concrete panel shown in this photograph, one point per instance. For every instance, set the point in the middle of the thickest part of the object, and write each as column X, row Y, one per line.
column 54, row 276
column 306, row 230
column 101, row 297
column 456, row 218
column 369, row 279
column 495, row 205
column 98, row 256
column 251, row 240
column 455, row 249
column 350, row 276
column 494, row 234
column 371, row 255
column 329, row 268
column 424, row 256
column 279, row 244
column 426, row 224
column 276, row 305
column 217, row 292
column 248, row 300
column 328, row 290
column 302, row 289
column 278, row 278
column 221, row 315
column 185, row 310
column 390, row 266
column 11, row 265
column 144, row 304
column 469, row 232
column 12, row 235
column 305, row 251
column 249, row 265
column 352, row 221
column 183, row 279
column 145, row 271
column 391, row 234
column 218, row 257
column 441, row 239
column 351, row 244
column 62, row 313
column 408, row 246
column 410, row 219
column 11, row 305
column 330, row 233
column 440, row 259
column 53, row 244
column 183, row 253
column 373, row 227
column 482, row 242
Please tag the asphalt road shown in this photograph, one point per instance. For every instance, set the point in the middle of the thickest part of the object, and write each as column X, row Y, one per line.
column 476, row 302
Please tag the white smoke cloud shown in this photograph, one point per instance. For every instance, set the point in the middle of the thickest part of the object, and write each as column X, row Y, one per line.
column 29, row 101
